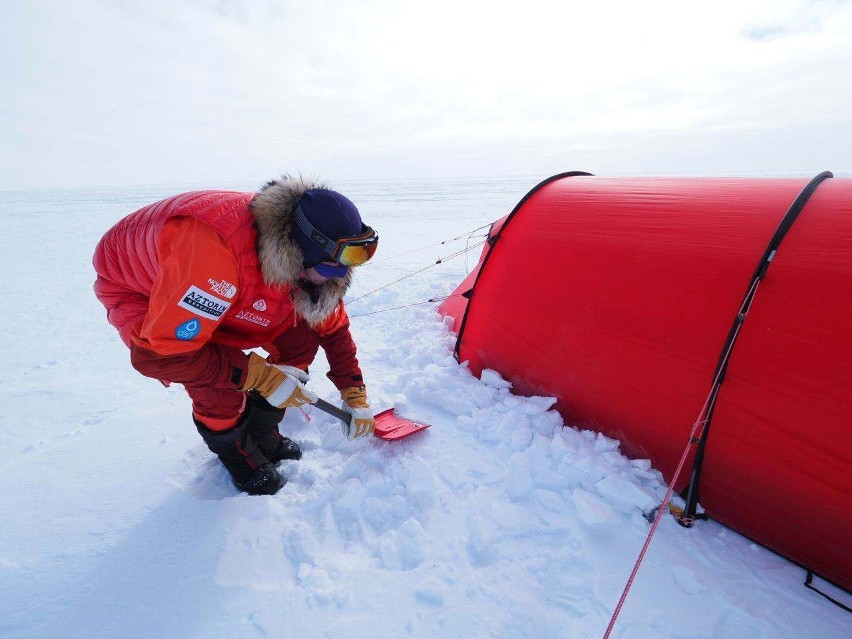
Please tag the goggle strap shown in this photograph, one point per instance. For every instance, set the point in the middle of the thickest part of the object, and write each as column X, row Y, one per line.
column 316, row 236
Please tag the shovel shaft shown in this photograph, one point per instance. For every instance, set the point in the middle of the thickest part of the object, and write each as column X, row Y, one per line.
column 332, row 410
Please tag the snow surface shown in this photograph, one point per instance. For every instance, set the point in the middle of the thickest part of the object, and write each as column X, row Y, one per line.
column 499, row 521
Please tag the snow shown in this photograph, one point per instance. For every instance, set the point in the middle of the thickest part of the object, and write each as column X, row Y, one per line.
column 499, row 521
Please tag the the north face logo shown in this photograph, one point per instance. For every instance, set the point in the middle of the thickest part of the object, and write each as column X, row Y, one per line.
column 259, row 305
column 222, row 288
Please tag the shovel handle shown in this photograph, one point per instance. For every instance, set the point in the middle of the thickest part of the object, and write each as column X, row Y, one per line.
column 332, row 410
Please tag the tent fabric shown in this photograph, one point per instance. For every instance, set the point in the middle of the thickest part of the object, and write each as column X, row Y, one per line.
column 455, row 305
column 616, row 295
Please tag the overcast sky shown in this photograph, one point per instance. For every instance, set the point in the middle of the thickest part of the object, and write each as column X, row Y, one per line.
column 190, row 91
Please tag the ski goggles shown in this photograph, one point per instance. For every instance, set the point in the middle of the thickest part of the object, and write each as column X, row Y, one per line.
column 349, row 251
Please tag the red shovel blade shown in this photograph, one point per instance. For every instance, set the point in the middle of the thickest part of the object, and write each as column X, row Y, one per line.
column 390, row 426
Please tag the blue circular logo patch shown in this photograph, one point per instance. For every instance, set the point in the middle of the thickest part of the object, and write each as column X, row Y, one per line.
column 188, row 330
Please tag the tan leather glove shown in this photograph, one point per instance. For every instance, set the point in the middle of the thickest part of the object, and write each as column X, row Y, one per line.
column 277, row 386
column 355, row 403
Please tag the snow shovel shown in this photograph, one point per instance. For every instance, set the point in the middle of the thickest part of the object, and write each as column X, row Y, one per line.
column 389, row 426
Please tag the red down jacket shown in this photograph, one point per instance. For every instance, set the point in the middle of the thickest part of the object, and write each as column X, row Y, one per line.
column 183, row 276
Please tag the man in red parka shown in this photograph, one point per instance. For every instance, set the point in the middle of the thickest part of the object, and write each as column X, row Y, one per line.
column 194, row 280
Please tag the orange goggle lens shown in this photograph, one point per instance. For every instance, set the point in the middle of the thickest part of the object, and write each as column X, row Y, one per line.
column 355, row 253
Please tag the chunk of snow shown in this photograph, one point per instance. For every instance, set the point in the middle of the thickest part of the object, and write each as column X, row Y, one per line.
column 624, row 494
column 591, row 509
column 493, row 379
column 404, row 549
column 519, row 481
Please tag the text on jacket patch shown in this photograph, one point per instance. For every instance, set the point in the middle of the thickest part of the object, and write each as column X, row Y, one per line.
column 248, row 316
column 204, row 304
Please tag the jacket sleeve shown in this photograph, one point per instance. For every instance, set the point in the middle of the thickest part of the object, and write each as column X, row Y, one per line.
column 298, row 346
column 211, row 366
column 336, row 340
column 196, row 279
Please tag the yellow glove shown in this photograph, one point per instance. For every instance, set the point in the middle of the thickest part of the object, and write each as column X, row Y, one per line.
column 355, row 403
column 278, row 387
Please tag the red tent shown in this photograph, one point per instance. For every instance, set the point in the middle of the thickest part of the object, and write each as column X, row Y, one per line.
column 619, row 297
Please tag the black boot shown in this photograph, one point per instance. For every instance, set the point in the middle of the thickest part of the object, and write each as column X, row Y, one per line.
column 264, row 481
column 262, row 419
column 238, row 451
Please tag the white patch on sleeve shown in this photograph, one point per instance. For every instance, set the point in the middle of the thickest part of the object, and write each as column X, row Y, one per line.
column 204, row 304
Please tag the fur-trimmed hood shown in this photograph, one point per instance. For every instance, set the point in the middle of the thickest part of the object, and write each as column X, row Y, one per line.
column 281, row 259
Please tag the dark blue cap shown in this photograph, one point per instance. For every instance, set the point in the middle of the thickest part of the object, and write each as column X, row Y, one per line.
column 330, row 212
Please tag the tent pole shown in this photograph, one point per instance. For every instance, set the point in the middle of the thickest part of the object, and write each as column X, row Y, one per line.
column 692, row 492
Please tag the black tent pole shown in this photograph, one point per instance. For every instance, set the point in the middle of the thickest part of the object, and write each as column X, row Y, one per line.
column 787, row 221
